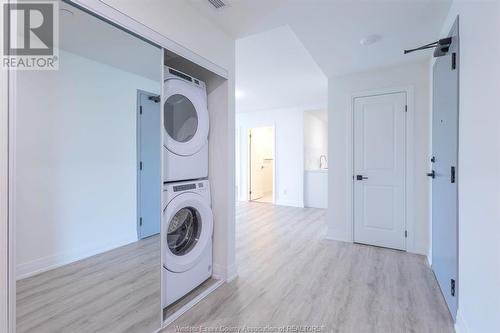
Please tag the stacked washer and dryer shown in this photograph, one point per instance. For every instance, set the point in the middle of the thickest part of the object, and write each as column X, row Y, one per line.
column 187, row 215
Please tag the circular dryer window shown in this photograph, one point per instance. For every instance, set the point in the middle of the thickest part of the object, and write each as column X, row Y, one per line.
column 180, row 118
column 184, row 231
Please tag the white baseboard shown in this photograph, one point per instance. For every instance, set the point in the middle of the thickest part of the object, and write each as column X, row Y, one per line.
column 191, row 304
column 335, row 239
column 220, row 273
column 329, row 236
column 460, row 325
column 289, row 203
column 232, row 273
column 48, row 263
column 429, row 260
column 422, row 252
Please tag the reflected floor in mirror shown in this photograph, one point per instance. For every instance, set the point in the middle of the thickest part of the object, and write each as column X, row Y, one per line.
column 116, row 291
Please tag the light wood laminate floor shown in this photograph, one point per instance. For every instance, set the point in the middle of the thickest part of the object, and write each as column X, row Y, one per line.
column 289, row 274
column 116, row 291
column 266, row 198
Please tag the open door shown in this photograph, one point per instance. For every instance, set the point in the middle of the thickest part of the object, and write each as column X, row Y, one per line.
column 261, row 164
column 149, row 164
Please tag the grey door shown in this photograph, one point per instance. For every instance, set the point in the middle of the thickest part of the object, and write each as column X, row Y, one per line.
column 149, row 168
column 445, row 170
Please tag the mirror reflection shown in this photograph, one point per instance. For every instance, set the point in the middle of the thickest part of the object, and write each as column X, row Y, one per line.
column 88, row 183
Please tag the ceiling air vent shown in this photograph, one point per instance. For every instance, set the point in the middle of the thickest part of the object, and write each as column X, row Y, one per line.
column 217, row 3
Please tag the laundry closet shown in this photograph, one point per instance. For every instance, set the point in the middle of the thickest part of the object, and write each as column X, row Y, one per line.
column 124, row 212
column 192, row 98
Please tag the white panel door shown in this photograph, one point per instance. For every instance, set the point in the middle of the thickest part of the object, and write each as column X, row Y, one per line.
column 379, row 170
column 149, row 168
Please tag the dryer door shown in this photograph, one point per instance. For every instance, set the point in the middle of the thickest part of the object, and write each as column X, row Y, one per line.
column 188, row 226
column 185, row 117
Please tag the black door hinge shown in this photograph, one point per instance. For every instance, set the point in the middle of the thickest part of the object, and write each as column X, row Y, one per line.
column 140, row 221
column 155, row 99
column 454, row 61
column 140, row 165
column 452, row 287
column 406, row 233
column 140, row 109
column 452, row 174
column 406, row 108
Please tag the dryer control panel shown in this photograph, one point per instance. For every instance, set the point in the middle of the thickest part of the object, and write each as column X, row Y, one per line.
column 187, row 187
column 184, row 187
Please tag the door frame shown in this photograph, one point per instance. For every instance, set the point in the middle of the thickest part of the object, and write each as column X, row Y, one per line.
column 409, row 161
column 249, row 162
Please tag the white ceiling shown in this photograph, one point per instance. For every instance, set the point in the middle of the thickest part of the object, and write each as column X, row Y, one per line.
column 285, row 48
column 274, row 70
column 87, row 36
column 331, row 29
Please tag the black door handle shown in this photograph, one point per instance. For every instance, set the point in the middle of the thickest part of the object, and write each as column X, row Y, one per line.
column 452, row 171
column 361, row 177
column 432, row 174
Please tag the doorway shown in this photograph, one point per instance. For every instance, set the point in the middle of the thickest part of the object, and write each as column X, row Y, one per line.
column 261, row 164
column 149, row 164
column 380, row 170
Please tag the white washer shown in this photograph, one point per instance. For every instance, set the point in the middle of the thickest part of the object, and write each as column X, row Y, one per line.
column 185, row 127
column 188, row 228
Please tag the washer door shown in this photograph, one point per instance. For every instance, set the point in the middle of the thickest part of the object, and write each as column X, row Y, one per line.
column 188, row 224
column 185, row 117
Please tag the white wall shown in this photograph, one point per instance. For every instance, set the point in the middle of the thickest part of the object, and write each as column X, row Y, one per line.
column 76, row 161
column 289, row 154
column 479, row 165
column 180, row 22
column 315, row 145
column 341, row 90
column 221, row 174
column 315, row 139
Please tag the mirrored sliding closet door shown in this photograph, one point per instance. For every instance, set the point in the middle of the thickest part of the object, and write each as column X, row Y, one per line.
column 87, row 212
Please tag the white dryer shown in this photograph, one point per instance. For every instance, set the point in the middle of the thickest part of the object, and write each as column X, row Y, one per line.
column 185, row 127
column 188, row 228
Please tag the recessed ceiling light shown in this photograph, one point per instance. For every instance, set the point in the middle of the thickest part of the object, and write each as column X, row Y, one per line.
column 369, row 40
column 66, row 12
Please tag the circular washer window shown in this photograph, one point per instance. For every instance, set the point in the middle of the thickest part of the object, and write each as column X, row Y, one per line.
column 180, row 118
column 184, row 231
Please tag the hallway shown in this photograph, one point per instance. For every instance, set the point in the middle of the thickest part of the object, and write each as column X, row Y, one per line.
column 289, row 274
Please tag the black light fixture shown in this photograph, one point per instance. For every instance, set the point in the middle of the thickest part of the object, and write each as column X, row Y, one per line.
column 442, row 46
